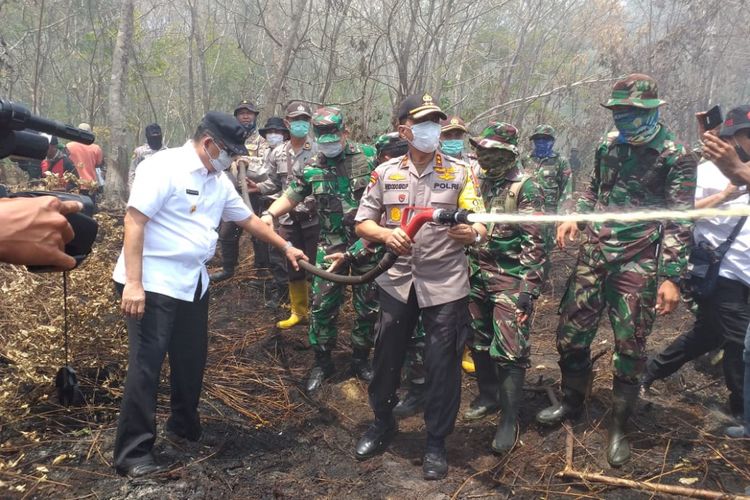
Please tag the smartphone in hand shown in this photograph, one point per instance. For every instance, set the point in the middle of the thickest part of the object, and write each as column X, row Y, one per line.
column 712, row 118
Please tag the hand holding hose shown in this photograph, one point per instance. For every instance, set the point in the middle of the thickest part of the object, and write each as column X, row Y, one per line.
column 398, row 242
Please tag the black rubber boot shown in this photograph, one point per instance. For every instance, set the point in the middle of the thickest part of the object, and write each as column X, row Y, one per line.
column 487, row 402
column 412, row 403
column 230, row 252
column 322, row 370
column 575, row 388
column 435, row 460
column 511, row 395
column 376, row 438
column 624, row 401
column 361, row 364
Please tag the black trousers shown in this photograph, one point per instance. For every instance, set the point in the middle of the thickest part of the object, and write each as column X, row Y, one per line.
column 446, row 330
column 172, row 326
column 304, row 238
column 261, row 250
column 721, row 319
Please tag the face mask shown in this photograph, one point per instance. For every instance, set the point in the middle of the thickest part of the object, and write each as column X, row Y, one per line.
column 636, row 125
column 543, row 147
column 223, row 162
column 495, row 163
column 452, row 147
column 274, row 139
column 299, row 128
column 331, row 149
column 154, row 142
column 426, row 136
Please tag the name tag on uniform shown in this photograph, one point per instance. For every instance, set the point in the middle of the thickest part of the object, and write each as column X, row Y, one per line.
column 192, row 191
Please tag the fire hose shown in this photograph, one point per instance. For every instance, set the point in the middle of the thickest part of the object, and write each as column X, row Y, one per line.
column 423, row 215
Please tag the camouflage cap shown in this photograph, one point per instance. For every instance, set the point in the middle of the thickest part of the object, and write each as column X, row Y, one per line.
column 499, row 135
column 390, row 141
column 541, row 130
column 328, row 124
column 246, row 104
column 298, row 108
column 453, row 123
column 636, row 90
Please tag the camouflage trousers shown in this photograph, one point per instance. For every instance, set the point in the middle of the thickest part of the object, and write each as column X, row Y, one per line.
column 327, row 298
column 548, row 233
column 493, row 320
column 414, row 371
column 627, row 289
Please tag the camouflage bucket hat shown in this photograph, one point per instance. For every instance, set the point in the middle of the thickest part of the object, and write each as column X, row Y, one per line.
column 497, row 135
column 541, row 130
column 636, row 90
column 501, row 132
column 328, row 124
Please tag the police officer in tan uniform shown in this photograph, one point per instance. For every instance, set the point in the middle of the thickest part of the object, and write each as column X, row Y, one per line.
column 229, row 233
column 430, row 278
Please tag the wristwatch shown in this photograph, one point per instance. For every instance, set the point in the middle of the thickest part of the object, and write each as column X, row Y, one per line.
column 266, row 212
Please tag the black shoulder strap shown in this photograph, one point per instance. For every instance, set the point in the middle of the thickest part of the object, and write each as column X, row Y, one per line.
column 737, row 228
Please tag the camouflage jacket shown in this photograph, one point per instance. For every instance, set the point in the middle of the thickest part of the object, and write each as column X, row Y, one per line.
column 282, row 165
column 554, row 176
column 337, row 185
column 513, row 255
column 656, row 175
column 257, row 150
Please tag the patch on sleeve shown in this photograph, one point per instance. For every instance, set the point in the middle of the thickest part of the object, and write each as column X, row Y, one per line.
column 373, row 180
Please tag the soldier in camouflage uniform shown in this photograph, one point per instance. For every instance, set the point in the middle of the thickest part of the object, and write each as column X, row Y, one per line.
column 553, row 174
column 505, row 274
column 638, row 166
column 229, row 233
column 336, row 177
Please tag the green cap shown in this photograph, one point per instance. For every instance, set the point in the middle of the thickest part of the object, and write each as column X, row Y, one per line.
column 541, row 130
column 636, row 90
column 328, row 124
column 499, row 135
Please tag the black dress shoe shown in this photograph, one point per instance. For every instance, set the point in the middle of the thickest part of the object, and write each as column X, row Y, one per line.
column 435, row 465
column 140, row 470
column 376, row 439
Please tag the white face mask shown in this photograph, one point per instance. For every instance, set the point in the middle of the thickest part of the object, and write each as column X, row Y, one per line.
column 331, row 149
column 426, row 136
column 274, row 139
column 222, row 162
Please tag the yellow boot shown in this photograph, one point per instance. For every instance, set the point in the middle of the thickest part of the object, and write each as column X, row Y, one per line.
column 298, row 298
column 467, row 362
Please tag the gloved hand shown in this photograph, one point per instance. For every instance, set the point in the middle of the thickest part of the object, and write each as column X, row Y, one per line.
column 524, row 307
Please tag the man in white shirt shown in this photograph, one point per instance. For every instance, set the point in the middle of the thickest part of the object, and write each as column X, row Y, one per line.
column 175, row 206
column 722, row 318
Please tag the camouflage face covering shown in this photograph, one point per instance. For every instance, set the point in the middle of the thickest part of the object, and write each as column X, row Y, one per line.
column 636, row 125
column 495, row 162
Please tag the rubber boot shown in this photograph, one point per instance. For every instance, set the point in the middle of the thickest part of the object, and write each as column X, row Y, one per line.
column 322, row 370
column 300, row 305
column 511, row 394
column 487, row 402
column 575, row 388
column 743, row 430
column 412, row 403
column 361, row 364
column 624, row 401
column 467, row 361
column 230, row 252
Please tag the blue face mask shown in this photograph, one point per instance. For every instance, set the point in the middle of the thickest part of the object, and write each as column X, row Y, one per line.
column 636, row 125
column 299, row 128
column 452, row 147
column 543, row 146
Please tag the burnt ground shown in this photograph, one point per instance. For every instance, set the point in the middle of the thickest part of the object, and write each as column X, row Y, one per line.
column 264, row 438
